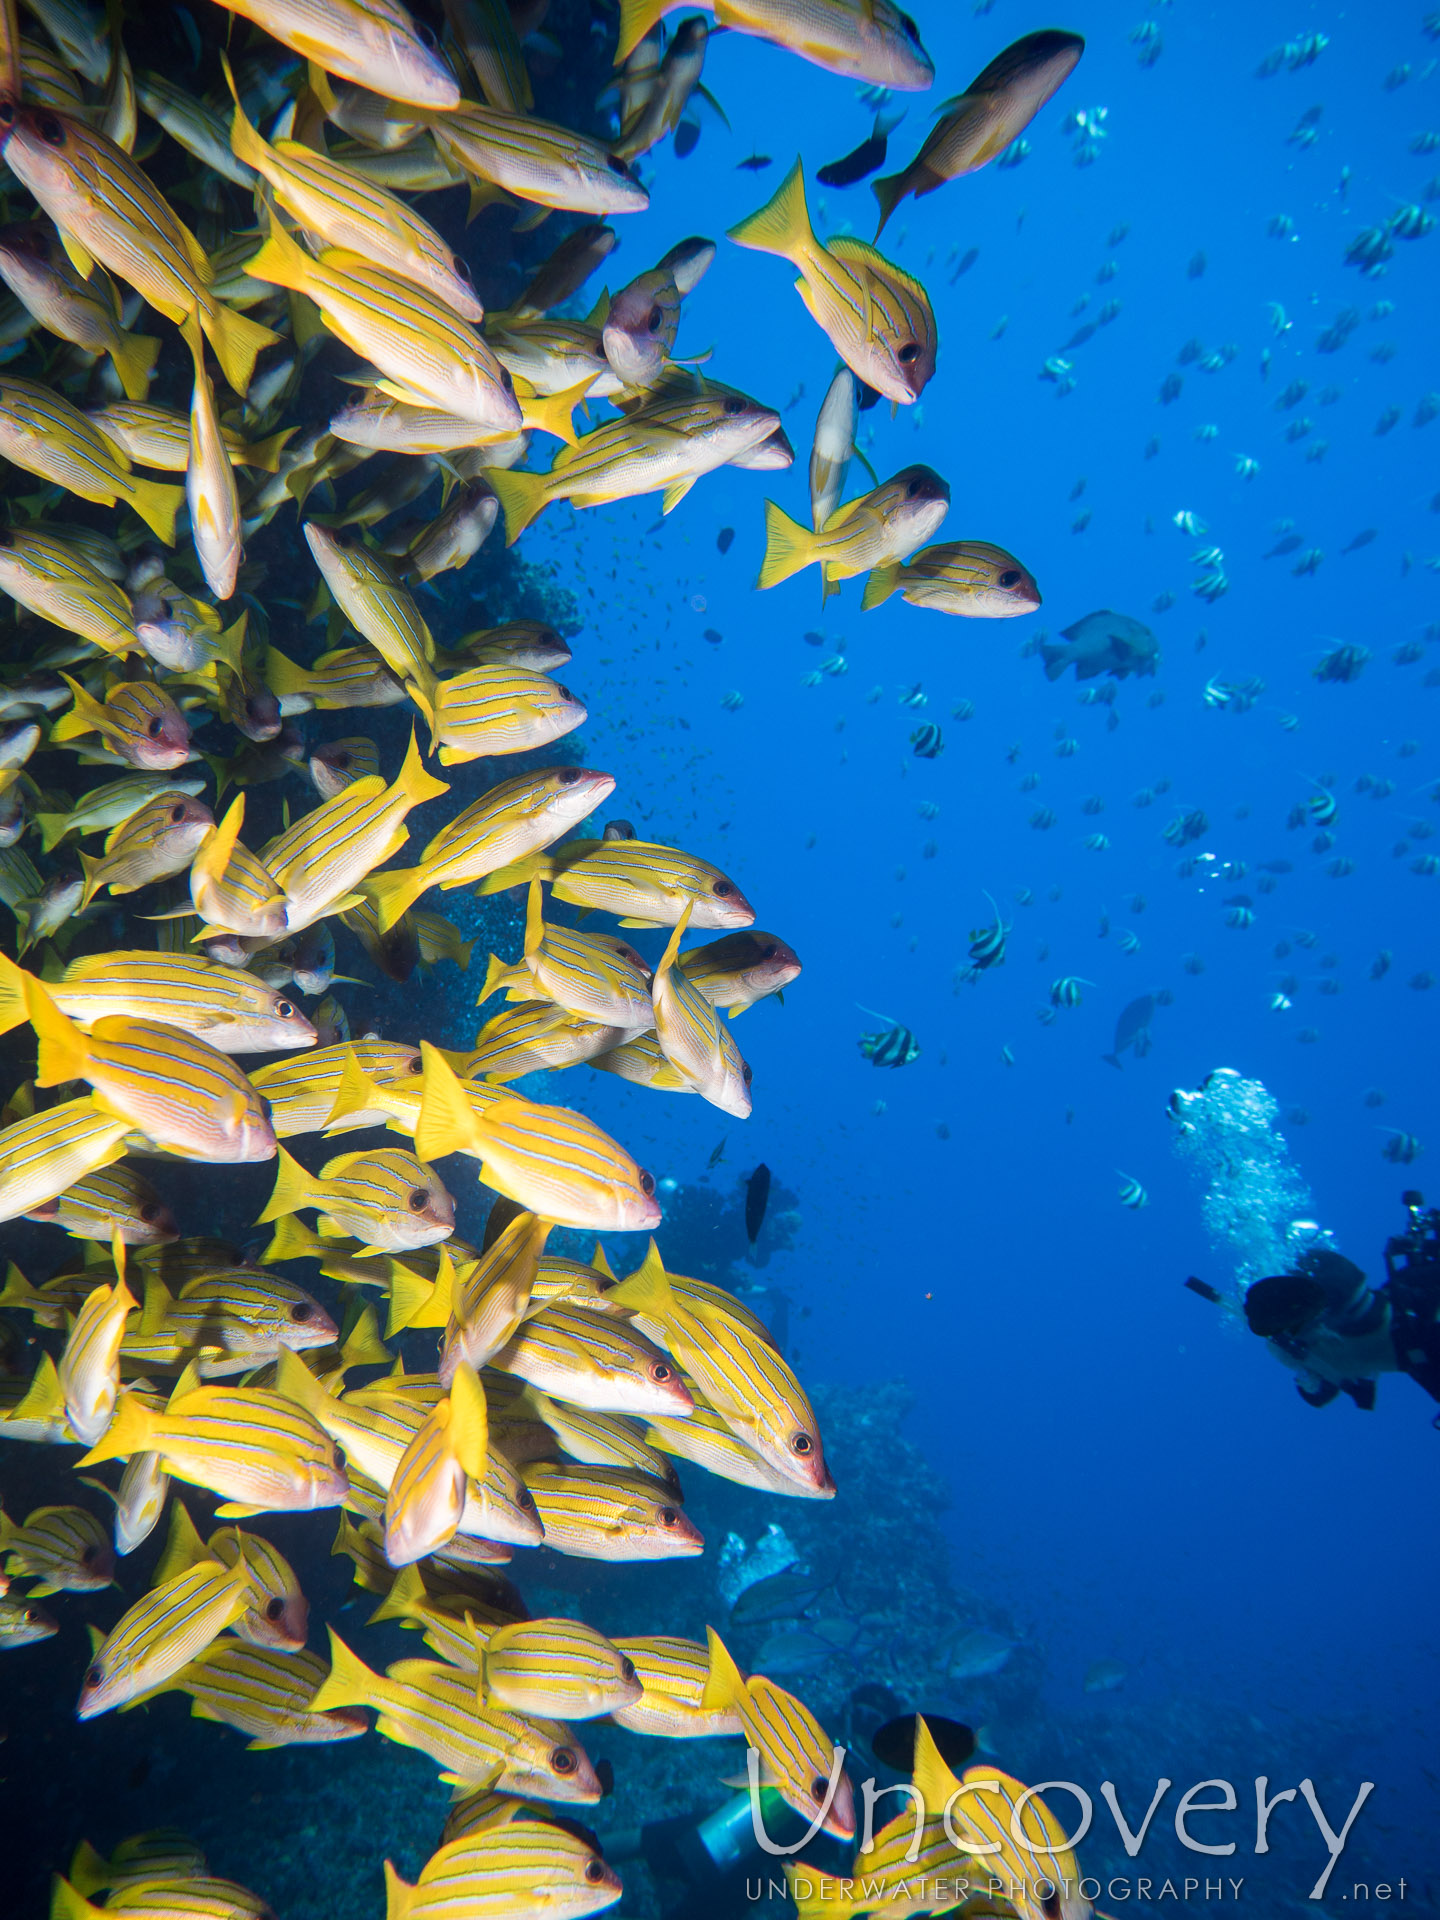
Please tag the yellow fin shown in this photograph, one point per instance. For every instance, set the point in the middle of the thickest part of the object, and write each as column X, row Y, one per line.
column 782, row 225
column 469, row 1421
column 521, row 495
column 447, row 1122
column 879, row 585
column 82, row 261
column 724, row 1684
column 293, row 1240
column 350, row 1683
column 647, row 1290
column 183, row 1546
column 788, row 547
column 294, row 1188
column 362, row 1346
column 129, row 1431
column 63, row 1052
column 934, row 1781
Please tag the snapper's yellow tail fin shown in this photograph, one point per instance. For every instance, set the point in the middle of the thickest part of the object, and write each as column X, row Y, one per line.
column 521, row 495
column 789, row 547
column 782, row 225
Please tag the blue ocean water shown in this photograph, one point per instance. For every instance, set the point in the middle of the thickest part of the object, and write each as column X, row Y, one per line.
column 1134, row 1480
column 1103, row 1460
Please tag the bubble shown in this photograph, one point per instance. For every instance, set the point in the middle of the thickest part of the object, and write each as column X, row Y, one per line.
column 1255, row 1198
column 698, row 603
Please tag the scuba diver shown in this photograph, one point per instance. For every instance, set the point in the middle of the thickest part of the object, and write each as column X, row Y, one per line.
column 1336, row 1332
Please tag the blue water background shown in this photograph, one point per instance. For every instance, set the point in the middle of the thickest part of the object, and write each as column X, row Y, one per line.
column 1131, row 1480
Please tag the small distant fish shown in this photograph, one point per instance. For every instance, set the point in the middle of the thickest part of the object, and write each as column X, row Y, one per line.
column 754, row 163
column 1401, row 1149
column 864, row 159
column 1361, row 539
column 1104, row 1676
column 1065, row 992
column 976, row 1654
column 725, row 539
column 927, row 741
column 893, row 1046
column 1132, row 1194
column 757, row 1198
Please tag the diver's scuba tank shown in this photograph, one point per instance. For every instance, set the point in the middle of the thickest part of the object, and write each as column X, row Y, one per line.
column 1412, row 1261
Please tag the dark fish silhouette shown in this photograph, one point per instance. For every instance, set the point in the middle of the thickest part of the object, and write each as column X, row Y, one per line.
column 725, row 539
column 757, row 1198
column 756, row 163
column 1133, row 1022
column 687, row 137
column 865, row 159
column 502, row 1212
column 894, row 1743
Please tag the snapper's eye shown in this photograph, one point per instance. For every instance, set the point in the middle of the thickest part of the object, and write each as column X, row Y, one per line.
column 462, row 269
column 301, row 1312
column 563, row 1760
column 94, row 1675
column 802, row 1444
column 647, row 1183
column 155, row 726
column 177, row 812
column 274, row 1607
column 594, row 1869
column 734, row 404
column 908, row 353
column 661, row 1373
column 419, row 1199
column 1010, row 577
column 51, row 129
column 655, row 319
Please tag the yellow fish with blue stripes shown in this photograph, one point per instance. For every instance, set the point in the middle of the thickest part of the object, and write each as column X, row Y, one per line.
column 520, row 1866
column 172, row 1087
column 876, row 316
column 162, row 1633
column 796, row 1756
column 323, row 857
column 260, row 1451
column 386, row 1198
column 693, row 1037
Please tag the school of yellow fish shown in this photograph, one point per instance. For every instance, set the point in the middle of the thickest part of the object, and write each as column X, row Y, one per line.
column 562, row 1395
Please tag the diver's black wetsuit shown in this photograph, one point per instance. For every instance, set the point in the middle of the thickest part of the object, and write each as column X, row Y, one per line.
column 1412, row 1263
column 1337, row 1333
